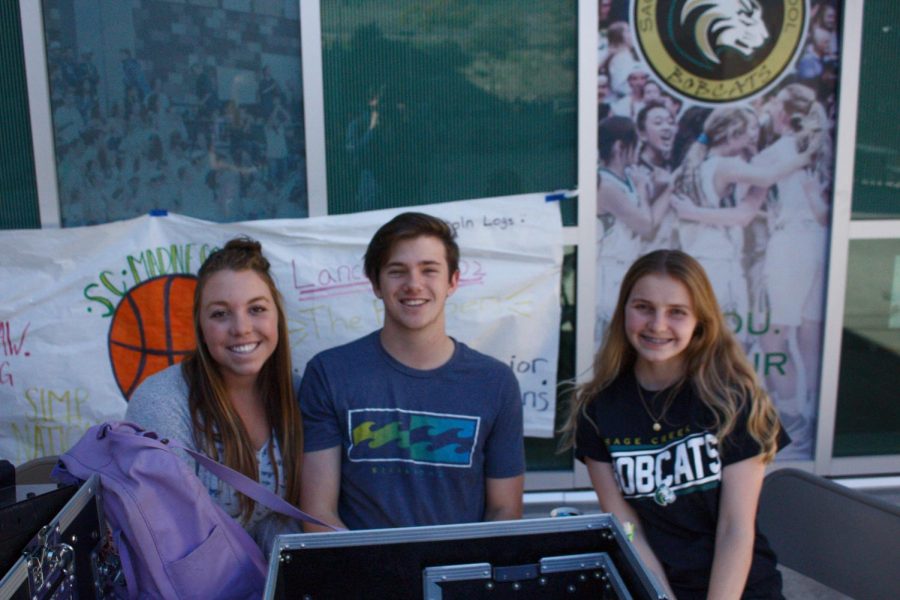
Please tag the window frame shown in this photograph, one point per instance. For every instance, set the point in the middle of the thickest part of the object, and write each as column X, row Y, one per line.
column 843, row 228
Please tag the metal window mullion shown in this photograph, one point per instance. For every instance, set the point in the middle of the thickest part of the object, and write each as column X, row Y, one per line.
column 875, row 230
column 588, row 37
column 313, row 107
column 851, row 53
column 39, row 110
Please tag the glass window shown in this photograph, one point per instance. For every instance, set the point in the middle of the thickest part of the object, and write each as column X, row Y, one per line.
column 189, row 107
column 868, row 414
column 541, row 453
column 18, row 191
column 876, row 182
column 432, row 101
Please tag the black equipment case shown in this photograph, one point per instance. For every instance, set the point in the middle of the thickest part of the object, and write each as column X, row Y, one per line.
column 67, row 558
column 24, row 510
column 566, row 557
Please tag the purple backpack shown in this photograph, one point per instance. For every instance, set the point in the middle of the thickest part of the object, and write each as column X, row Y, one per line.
column 173, row 540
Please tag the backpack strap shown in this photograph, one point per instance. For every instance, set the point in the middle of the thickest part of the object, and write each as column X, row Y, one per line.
column 250, row 488
column 237, row 480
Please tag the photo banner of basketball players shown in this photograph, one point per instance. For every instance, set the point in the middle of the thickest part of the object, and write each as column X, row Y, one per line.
column 88, row 313
column 716, row 137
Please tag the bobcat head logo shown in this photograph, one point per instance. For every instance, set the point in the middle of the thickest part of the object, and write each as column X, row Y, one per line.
column 719, row 51
column 736, row 24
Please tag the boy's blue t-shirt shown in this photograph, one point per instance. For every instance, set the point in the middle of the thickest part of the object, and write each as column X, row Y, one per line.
column 416, row 446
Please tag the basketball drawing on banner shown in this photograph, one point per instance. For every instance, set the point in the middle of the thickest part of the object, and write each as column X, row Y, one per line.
column 152, row 328
column 96, row 310
column 716, row 137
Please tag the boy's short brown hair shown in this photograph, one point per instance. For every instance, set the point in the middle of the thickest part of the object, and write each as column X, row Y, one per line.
column 407, row 226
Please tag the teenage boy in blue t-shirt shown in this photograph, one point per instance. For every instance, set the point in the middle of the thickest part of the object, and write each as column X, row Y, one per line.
column 407, row 426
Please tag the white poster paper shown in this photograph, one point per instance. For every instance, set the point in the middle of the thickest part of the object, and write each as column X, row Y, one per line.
column 87, row 313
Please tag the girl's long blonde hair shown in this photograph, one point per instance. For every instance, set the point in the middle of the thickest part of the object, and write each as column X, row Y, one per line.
column 715, row 364
column 721, row 125
column 809, row 122
column 213, row 416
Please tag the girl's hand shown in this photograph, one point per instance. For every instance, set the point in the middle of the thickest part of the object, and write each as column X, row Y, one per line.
column 815, row 144
column 821, row 140
column 639, row 177
column 641, row 180
column 684, row 208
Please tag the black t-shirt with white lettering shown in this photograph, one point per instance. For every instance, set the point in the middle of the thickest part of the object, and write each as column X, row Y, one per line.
column 672, row 478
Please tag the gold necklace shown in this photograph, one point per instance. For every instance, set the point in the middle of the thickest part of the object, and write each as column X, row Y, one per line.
column 657, row 426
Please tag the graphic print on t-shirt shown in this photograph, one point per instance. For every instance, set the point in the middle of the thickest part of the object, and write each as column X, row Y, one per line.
column 686, row 465
column 395, row 435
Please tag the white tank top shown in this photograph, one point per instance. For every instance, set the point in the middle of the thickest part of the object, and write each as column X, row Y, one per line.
column 789, row 205
column 702, row 240
column 615, row 240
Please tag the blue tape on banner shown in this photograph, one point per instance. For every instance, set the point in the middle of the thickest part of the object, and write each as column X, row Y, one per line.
column 560, row 195
column 159, row 212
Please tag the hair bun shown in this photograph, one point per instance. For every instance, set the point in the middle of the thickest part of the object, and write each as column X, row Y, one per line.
column 239, row 253
column 245, row 243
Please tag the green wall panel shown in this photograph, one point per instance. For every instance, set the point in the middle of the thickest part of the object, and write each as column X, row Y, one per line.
column 473, row 99
column 876, row 184
column 18, row 188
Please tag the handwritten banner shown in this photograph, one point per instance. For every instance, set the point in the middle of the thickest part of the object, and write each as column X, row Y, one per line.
column 87, row 313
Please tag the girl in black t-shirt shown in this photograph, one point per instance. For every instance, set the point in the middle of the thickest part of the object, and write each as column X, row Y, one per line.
column 676, row 431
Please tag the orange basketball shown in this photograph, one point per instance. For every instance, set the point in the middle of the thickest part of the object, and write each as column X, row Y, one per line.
column 151, row 329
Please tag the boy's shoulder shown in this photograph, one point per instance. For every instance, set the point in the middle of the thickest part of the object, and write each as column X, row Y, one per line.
column 468, row 356
column 482, row 372
column 349, row 359
column 354, row 349
column 367, row 350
